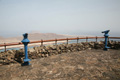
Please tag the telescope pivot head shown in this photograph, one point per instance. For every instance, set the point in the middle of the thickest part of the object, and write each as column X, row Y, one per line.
column 106, row 32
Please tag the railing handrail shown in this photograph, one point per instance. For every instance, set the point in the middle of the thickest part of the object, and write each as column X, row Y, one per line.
column 114, row 37
column 19, row 43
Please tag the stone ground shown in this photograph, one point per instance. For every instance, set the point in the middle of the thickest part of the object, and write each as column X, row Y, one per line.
column 82, row 65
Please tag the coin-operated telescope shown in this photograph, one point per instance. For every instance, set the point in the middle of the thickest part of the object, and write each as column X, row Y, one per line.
column 106, row 39
column 25, row 41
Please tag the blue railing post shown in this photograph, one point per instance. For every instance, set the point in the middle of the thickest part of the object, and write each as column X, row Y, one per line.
column 106, row 39
column 25, row 41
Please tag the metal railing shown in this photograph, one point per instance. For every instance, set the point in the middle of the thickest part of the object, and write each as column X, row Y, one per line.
column 67, row 39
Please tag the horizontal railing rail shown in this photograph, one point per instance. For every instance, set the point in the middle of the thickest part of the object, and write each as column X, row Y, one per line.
column 42, row 41
column 114, row 37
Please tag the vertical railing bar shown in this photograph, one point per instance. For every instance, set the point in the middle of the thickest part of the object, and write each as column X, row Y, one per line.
column 41, row 42
column 86, row 39
column 67, row 40
column 56, row 42
column 96, row 38
column 41, row 46
column 77, row 39
column 5, row 47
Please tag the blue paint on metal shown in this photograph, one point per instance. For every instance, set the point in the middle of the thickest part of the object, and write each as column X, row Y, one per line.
column 25, row 41
column 106, row 39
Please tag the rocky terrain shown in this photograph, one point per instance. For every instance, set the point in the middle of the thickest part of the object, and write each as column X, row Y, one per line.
column 77, row 61
column 82, row 65
column 15, row 56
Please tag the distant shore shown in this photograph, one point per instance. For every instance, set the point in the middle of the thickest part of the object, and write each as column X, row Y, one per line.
column 37, row 36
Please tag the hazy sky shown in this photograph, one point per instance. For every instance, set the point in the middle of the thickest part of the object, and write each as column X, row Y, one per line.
column 59, row 16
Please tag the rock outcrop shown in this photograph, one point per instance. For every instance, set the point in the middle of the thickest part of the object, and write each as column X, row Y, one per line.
column 13, row 56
